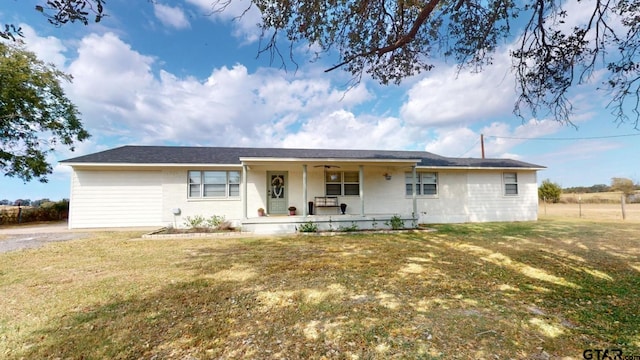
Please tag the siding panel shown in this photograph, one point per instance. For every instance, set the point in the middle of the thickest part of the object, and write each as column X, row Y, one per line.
column 487, row 201
column 115, row 199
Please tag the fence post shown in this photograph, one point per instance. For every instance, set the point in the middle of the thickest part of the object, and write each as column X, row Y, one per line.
column 580, row 206
column 623, row 200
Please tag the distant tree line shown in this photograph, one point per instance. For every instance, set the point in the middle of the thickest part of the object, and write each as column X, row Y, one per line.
column 29, row 202
column 587, row 189
column 26, row 210
column 550, row 192
column 625, row 185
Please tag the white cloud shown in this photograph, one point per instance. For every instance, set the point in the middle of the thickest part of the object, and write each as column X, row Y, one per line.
column 580, row 150
column 242, row 13
column 344, row 130
column 499, row 139
column 108, row 76
column 49, row 49
column 455, row 142
column 446, row 96
column 120, row 97
column 171, row 16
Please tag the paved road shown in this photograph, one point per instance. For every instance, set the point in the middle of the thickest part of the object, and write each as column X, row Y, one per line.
column 31, row 236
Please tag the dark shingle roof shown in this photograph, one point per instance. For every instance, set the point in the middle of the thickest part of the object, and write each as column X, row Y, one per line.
column 231, row 155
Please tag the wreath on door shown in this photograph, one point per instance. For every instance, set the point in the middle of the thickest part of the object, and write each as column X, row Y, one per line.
column 278, row 185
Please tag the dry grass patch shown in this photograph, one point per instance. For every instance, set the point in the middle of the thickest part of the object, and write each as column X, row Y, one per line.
column 590, row 212
column 597, row 197
column 521, row 290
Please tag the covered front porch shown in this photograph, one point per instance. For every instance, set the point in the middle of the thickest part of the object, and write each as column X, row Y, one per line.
column 336, row 222
column 373, row 190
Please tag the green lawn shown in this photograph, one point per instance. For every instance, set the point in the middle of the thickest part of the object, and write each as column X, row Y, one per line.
column 549, row 289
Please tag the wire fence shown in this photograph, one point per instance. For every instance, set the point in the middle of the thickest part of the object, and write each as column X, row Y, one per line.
column 603, row 211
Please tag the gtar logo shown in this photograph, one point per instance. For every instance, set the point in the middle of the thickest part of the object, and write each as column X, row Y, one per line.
column 602, row 354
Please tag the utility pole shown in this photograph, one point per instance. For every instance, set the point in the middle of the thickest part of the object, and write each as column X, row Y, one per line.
column 482, row 144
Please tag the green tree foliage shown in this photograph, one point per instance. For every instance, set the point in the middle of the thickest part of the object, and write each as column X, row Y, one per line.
column 394, row 39
column 624, row 185
column 549, row 191
column 35, row 114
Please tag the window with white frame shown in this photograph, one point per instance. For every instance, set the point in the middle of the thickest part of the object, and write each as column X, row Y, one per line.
column 510, row 183
column 214, row 184
column 426, row 183
column 342, row 183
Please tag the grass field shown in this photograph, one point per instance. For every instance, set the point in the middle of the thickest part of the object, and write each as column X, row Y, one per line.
column 610, row 196
column 592, row 212
column 541, row 290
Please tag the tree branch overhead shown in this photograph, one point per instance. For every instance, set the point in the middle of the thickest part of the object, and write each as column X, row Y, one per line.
column 390, row 40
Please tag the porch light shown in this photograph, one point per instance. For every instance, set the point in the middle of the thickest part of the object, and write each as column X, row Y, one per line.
column 387, row 176
column 333, row 177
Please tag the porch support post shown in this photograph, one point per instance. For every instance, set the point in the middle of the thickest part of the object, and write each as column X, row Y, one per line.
column 413, row 195
column 305, row 207
column 244, row 191
column 361, row 181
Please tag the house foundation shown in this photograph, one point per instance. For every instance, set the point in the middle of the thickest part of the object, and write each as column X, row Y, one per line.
column 292, row 224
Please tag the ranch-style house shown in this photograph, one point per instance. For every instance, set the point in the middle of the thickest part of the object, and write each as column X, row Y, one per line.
column 163, row 185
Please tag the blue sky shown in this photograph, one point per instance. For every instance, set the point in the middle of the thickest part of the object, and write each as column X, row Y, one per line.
column 166, row 73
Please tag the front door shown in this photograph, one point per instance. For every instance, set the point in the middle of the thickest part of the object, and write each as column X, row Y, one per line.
column 277, row 187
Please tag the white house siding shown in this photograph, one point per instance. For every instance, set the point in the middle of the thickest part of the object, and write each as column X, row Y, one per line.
column 384, row 196
column 451, row 203
column 175, row 196
column 115, row 199
column 294, row 192
column 256, row 190
column 477, row 196
column 487, row 202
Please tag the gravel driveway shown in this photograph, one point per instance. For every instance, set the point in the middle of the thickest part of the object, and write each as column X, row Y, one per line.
column 31, row 236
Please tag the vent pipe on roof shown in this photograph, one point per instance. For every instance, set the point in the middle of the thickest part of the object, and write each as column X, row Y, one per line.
column 482, row 144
